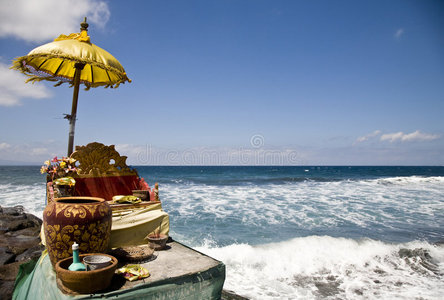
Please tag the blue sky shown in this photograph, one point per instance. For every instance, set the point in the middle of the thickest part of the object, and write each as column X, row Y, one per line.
column 237, row 82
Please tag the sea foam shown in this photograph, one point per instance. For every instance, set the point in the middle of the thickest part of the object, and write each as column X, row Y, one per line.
column 31, row 197
column 376, row 208
column 318, row 267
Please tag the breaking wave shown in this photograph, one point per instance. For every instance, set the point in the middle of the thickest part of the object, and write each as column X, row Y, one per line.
column 31, row 197
column 323, row 267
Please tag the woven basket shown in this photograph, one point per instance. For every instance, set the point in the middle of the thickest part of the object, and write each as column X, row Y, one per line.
column 133, row 253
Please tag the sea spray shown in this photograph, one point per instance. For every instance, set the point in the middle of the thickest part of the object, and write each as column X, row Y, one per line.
column 32, row 197
column 326, row 267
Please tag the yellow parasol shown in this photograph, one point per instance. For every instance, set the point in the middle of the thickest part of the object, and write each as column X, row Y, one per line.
column 76, row 60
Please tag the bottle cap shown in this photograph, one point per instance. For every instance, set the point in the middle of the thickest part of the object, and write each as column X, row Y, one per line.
column 75, row 246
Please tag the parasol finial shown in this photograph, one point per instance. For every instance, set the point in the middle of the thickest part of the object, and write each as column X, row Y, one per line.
column 84, row 25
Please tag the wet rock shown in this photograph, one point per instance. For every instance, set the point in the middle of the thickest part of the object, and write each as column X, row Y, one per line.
column 13, row 211
column 419, row 252
column 13, row 219
column 19, row 243
column 6, row 256
column 9, row 272
column 327, row 289
column 420, row 260
column 31, row 253
column 30, row 231
column 6, row 289
column 230, row 295
column 379, row 271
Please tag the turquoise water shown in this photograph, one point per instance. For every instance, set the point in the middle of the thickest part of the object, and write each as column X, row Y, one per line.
column 393, row 204
column 298, row 232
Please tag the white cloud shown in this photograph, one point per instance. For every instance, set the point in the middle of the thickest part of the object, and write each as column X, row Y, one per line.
column 368, row 136
column 399, row 33
column 43, row 20
column 40, row 151
column 13, row 87
column 398, row 136
column 409, row 137
column 30, row 152
column 4, row 146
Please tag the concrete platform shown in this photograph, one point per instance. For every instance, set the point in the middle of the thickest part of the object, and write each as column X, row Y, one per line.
column 178, row 272
column 176, row 261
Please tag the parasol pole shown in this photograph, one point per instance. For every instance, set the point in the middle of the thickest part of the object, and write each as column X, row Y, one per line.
column 75, row 97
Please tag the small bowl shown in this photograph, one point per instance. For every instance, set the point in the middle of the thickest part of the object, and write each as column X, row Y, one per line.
column 144, row 195
column 157, row 241
column 84, row 282
column 95, row 262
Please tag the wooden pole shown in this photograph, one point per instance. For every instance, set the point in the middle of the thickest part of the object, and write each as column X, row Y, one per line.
column 75, row 97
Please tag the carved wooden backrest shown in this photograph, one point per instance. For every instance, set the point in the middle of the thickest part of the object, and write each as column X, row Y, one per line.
column 99, row 160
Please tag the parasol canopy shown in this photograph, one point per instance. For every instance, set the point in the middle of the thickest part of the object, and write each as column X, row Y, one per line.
column 73, row 59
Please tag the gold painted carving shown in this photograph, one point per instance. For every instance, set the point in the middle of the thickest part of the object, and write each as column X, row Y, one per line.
column 49, row 209
column 98, row 160
column 93, row 237
column 73, row 210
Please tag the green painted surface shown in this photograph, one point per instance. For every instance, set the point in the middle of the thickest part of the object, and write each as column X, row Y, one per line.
column 37, row 280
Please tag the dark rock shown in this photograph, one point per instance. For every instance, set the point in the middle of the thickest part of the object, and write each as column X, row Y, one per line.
column 420, row 260
column 419, row 252
column 13, row 219
column 19, row 243
column 37, row 221
column 13, row 211
column 327, row 289
column 31, row 231
column 6, row 256
column 6, row 289
column 379, row 271
column 9, row 271
column 31, row 253
column 230, row 295
column 13, row 223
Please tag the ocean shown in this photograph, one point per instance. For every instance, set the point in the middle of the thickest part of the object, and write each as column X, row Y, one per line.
column 297, row 232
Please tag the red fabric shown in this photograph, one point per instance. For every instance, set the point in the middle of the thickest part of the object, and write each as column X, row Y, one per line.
column 107, row 187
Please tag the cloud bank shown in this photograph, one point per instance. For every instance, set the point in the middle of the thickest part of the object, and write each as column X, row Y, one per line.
column 409, row 137
column 368, row 136
column 13, row 87
column 43, row 20
column 398, row 136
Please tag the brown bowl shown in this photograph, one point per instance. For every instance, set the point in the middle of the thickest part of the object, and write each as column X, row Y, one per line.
column 84, row 282
column 157, row 241
column 144, row 195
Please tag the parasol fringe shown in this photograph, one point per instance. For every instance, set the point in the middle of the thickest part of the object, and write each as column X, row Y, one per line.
column 17, row 65
column 36, row 78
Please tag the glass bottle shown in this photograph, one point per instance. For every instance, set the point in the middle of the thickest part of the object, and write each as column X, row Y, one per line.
column 76, row 264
